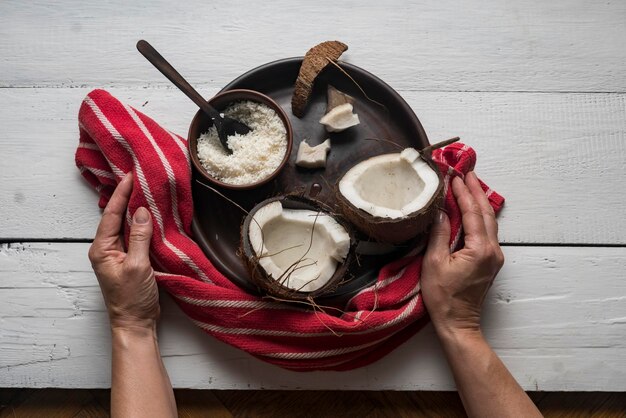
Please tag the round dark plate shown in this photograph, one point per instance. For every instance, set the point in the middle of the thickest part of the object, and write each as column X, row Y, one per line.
column 390, row 123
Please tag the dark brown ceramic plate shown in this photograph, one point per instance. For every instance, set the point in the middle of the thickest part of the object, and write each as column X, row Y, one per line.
column 216, row 223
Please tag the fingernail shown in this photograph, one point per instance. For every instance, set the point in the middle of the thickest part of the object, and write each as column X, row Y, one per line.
column 441, row 217
column 472, row 174
column 141, row 216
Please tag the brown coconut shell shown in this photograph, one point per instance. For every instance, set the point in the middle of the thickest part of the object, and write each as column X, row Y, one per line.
column 272, row 287
column 394, row 231
column 315, row 60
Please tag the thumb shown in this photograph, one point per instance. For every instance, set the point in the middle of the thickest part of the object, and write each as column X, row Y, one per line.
column 140, row 235
column 438, row 242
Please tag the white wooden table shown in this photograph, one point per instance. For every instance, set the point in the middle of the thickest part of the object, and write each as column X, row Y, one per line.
column 537, row 87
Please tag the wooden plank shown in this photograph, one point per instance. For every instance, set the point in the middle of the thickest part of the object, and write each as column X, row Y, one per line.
column 529, row 45
column 51, row 403
column 555, row 315
column 557, row 158
column 196, row 404
column 92, row 410
column 201, row 403
column 58, row 404
column 440, row 404
column 396, row 404
column 614, row 406
column 103, row 398
column 573, row 405
column 11, row 399
column 296, row 404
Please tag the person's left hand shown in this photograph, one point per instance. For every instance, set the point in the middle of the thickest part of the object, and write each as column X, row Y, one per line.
column 126, row 278
column 454, row 285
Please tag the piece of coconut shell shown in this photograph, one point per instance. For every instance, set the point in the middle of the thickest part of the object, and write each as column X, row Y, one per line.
column 272, row 287
column 398, row 230
column 315, row 60
column 336, row 98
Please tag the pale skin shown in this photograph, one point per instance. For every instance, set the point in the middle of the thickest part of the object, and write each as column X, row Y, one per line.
column 454, row 286
column 140, row 386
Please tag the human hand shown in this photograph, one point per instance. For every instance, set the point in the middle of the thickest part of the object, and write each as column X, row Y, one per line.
column 454, row 285
column 126, row 278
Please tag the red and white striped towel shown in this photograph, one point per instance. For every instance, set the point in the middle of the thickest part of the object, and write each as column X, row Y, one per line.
column 116, row 139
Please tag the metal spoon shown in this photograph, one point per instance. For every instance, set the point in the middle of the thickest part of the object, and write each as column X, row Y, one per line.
column 225, row 126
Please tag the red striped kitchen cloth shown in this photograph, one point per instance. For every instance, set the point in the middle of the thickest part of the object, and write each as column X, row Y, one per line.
column 116, row 139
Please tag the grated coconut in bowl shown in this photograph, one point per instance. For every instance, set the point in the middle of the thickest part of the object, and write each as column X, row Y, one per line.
column 256, row 155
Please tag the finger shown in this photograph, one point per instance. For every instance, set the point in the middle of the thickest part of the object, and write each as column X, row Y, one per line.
column 439, row 239
column 113, row 215
column 140, row 237
column 472, row 217
column 489, row 216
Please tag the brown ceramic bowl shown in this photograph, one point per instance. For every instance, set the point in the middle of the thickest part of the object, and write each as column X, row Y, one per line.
column 201, row 123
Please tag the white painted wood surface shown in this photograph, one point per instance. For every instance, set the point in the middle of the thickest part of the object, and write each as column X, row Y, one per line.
column 556, row 316
column 537, row 88
column 557, row 158
column 491, row 45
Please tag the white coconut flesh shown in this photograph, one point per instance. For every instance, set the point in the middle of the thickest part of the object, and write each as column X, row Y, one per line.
column 312, row 157
column 340, row 118
column 301, row 249
column 391, row 185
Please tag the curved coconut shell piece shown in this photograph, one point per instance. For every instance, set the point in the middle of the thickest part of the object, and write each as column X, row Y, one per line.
column 267, row 283
column 395, row 230
column 314, row 62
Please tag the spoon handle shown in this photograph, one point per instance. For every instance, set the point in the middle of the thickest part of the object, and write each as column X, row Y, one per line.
column 170, row 72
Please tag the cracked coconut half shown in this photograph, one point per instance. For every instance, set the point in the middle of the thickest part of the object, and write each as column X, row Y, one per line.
column 391, row 197
column 294, row 249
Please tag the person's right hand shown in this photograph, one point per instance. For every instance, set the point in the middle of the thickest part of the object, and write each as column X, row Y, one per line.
column 454, row 285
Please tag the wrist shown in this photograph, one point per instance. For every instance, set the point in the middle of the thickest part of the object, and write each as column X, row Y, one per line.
column 456, row 335
column 134, row 327
column 133, row 339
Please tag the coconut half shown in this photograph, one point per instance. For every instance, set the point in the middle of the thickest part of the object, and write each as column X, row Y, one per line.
column 294, row 249
column 391, row 197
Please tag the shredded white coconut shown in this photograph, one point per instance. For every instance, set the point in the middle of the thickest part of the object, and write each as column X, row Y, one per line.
column 256, row 155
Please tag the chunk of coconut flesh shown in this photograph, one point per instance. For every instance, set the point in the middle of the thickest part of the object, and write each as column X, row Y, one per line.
column 391, row 185
column 340, row 118
column 299, row 248
column 312, row 157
